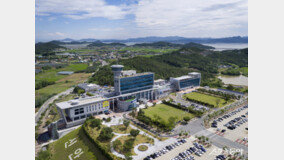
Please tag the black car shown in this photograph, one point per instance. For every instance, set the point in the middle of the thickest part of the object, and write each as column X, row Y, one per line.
column 214, row 125
column 223, row 130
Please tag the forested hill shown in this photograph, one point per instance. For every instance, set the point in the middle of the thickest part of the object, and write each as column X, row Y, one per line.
column 101, row 44
column 179, row 63
column 162, row 44
column 158, row 45
column 44, row 48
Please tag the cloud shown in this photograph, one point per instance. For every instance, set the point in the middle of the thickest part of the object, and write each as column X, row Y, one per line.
column 56, row 34
column 106, row 29
column 80, row 9
column 192, row 17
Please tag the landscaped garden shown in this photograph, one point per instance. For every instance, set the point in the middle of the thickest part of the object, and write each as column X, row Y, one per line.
column 127, row 143
column 143, row 148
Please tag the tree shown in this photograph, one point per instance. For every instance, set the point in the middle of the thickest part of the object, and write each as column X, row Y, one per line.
column 171, row 122
column 78, row 90
column 230, row 87
column 128, row 145
column 126, row 123
column 116, row 143
column 95, row 123
column 218, row 101
column 186, row 118
column 43, row 155
column 128, row 157
column 134, row 132
column 105, row 134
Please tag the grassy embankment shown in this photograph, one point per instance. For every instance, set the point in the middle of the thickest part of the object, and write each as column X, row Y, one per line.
column 58, row 150
column 208, row 99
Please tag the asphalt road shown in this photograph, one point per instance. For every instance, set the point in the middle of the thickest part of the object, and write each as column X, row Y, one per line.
column 49, row 101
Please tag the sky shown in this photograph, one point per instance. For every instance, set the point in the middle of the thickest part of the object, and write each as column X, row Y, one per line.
column 122, row 19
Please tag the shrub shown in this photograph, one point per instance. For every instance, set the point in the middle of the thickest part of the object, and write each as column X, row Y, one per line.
column 89, row 94
column 43, row 155
column 186, row 118
column 95, row 123
column 108, row 119
column 105, row 134
column 134, row 132
column 78, row 90
column 116, row 143
column 126, row 123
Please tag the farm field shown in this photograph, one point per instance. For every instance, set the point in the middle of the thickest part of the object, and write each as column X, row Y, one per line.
column 60, row 86
column 207, row 99
column 165, row 112
column 51, row 74
column 62, row 150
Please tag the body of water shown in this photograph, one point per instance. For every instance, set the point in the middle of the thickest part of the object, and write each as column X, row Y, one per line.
column 227, row 46
column 235, row 80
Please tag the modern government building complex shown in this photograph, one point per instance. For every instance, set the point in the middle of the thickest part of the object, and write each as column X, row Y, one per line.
column 129, row 89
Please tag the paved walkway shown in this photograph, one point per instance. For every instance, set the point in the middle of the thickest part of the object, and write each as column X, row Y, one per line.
column 111, row 147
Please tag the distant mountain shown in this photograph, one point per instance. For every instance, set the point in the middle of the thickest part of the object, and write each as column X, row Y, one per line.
column 88, row 40
column 183, row 40
column 171, row 39
column 157, row 44
column 44, row 48
column 66, row 40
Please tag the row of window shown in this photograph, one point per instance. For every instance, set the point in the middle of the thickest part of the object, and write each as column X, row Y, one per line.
column 94, row 107
column 79, row 111
column 190, row 82
column 90, row 108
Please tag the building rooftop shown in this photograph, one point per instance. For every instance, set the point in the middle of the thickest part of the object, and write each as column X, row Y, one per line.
column 79, row 102
column 183, row 77
column 159, row 80
column 65, row 72
column 194, row 73
column 137, row 74
column 117, row 66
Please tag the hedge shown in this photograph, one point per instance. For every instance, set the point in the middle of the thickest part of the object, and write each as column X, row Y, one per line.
column 190, row 110
column 200, row 102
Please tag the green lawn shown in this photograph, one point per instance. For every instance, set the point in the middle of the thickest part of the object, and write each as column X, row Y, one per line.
column 59, row 152
column 64, row 83
column 165, row 111
column 244, row 71
column 207, row 98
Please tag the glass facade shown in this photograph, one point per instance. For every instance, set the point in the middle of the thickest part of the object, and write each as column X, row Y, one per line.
column 189, row 82
column 136, row 83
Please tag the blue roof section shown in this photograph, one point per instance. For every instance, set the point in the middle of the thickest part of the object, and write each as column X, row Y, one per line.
column 65, row 72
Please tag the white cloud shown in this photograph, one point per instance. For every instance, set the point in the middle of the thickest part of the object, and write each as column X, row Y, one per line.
column 191, row 18
column 80, row 9
column 56, row 34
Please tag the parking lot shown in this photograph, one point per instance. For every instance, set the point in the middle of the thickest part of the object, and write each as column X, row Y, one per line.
column 239, row 120
column 182, row 152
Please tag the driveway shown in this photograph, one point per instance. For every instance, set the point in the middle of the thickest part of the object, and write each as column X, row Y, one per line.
column 49, row 101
